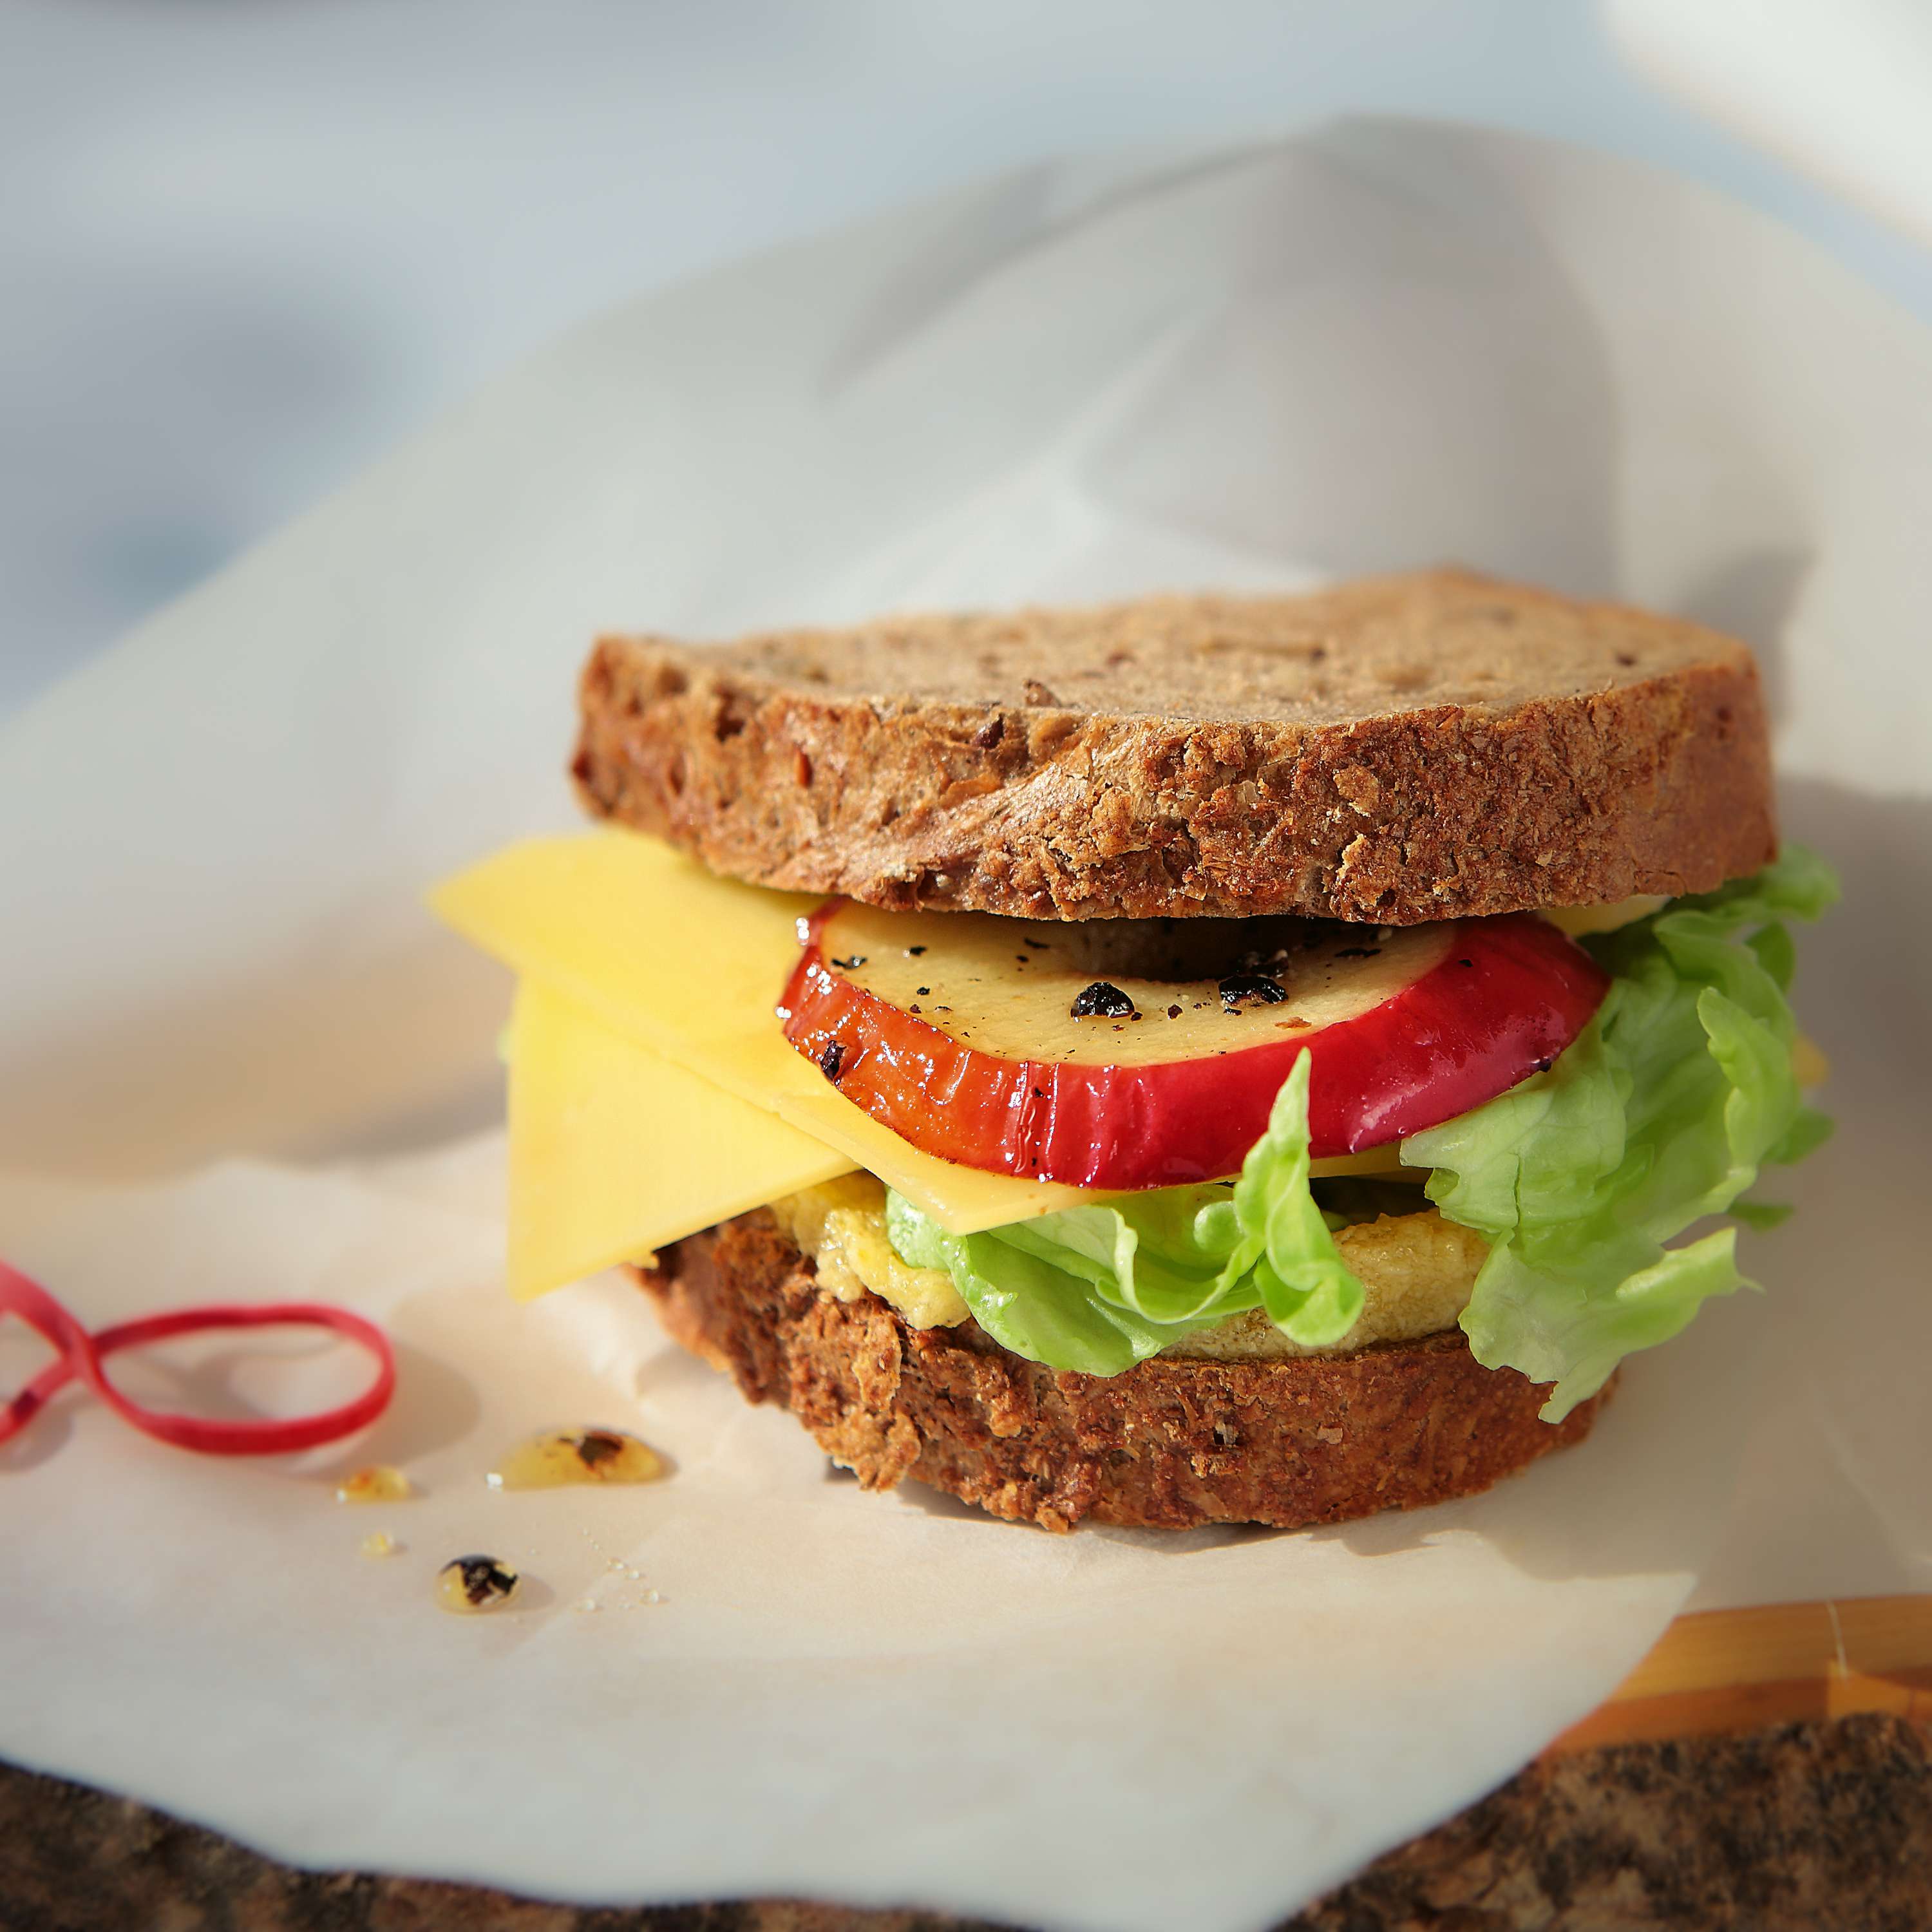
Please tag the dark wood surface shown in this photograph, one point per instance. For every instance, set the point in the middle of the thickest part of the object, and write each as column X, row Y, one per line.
column 1793, row 1829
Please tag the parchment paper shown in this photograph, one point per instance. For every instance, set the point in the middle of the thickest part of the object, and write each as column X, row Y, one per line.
column 236, row 1060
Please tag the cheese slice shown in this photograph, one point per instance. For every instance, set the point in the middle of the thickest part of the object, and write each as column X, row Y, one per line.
column 616, row 1152
column 1577, row 921
column 689, row 967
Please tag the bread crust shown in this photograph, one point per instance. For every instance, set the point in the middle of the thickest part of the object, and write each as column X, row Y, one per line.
column 1396, row 750
column 1169, row 1445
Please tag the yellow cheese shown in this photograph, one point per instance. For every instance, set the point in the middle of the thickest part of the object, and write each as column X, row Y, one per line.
column 689, row 967
column 1578, row 920
column 615, row 1152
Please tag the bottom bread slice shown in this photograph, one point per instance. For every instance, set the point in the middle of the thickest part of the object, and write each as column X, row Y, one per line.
column 1171, row 1444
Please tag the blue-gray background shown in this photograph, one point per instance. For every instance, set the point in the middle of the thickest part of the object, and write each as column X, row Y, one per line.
column 247, row 244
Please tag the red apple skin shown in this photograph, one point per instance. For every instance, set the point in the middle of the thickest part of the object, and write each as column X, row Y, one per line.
column 1508, row 997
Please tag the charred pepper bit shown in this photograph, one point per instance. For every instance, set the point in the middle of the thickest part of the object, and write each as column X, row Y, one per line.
column 559, row 1456
column 1102, row 1001
column 374, row 1482
column 1257, row 989
column 468, row 1584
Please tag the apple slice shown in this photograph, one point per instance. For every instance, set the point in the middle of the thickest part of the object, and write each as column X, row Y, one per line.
column 1010, row 1045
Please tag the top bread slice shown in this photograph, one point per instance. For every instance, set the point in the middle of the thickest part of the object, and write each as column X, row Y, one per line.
column 1394, row 750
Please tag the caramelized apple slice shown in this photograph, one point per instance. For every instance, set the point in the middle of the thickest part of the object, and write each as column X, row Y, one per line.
column 1118, row 1055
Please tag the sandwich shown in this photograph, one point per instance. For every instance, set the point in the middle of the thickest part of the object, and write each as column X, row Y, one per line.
column 1198, row 1060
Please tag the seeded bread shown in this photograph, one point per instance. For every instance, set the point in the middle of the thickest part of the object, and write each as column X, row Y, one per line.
column 1169, row 1445
column 1396, row 750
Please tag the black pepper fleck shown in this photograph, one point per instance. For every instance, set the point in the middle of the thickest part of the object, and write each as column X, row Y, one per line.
column 914, row 952
column 1174, row 1012
column 850, row 965
column 832, row 1060
column 1358, row 953
column 1239, row 990
column 1101, row 1001
column 924, row 992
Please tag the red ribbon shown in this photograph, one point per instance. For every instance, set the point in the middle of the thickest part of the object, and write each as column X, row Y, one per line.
column 81, row 1353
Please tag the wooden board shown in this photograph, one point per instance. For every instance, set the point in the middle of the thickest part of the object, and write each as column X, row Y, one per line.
column 1733, row 1670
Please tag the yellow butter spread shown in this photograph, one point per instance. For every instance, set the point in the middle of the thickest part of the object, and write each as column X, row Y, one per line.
column 841, row 1225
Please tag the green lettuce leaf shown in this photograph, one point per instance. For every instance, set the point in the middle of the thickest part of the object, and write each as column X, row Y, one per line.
column 1660, row 1113
column 1099, row 1288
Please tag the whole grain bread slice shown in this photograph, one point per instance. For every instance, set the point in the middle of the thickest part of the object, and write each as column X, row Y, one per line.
column 1170, row 1444
column 1397, row 749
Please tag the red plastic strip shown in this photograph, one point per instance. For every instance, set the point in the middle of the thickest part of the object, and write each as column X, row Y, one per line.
column 80, row 1355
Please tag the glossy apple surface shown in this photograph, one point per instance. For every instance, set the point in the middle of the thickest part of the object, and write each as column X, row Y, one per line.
column 998, row 1044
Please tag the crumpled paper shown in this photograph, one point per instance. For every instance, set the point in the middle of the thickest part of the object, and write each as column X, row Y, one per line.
column 236, row 1060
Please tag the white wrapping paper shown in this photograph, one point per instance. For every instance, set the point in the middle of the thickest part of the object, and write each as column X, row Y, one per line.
column 237, row 1061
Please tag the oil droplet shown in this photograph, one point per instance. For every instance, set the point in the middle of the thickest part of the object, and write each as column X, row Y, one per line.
column 374, row 1482
column 558, row 1456
column 378, row 1543
column 469, row 1584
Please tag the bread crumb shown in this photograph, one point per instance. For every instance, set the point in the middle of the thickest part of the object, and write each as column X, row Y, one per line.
column 1361, row 788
